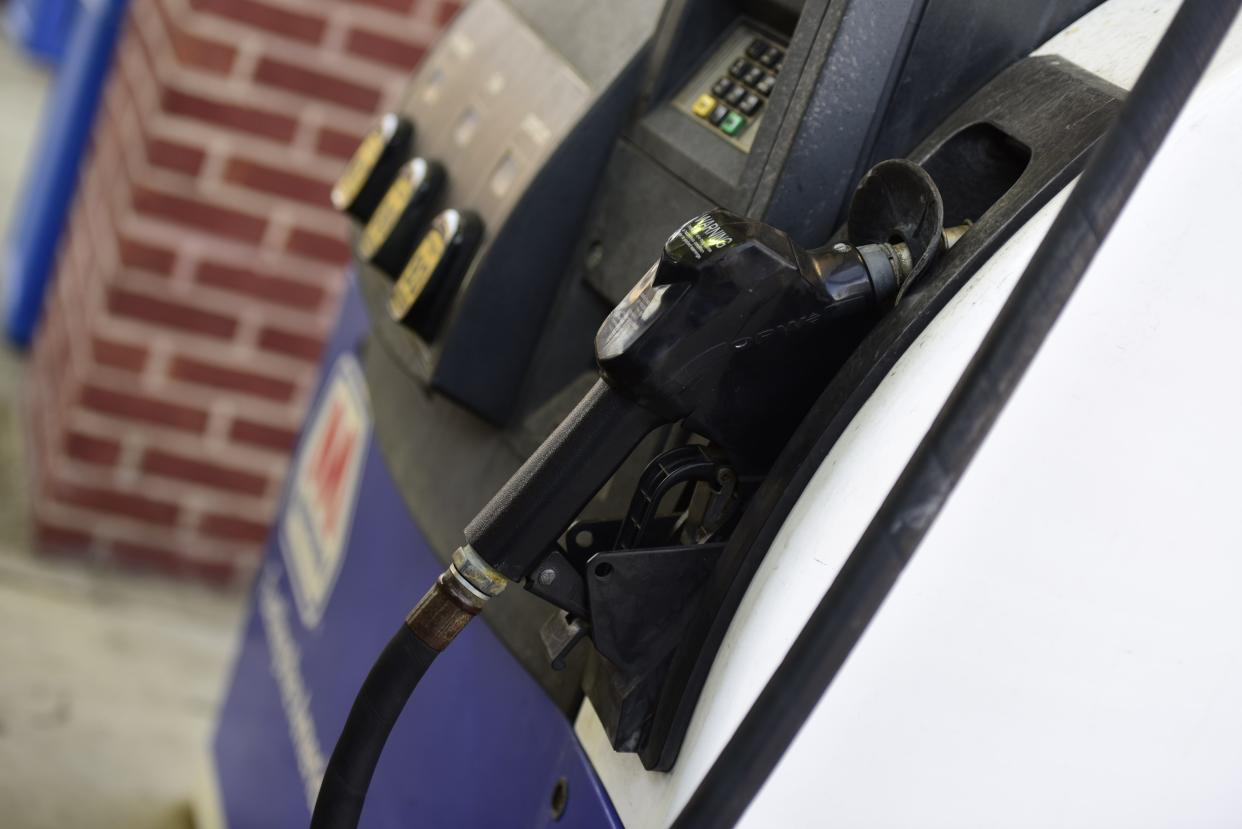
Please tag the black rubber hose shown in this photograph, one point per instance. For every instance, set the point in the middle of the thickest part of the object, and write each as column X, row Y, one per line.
column 383, row 695
column 837, row 623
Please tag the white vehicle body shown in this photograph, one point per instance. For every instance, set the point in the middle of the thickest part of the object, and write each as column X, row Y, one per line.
column 1065, row 647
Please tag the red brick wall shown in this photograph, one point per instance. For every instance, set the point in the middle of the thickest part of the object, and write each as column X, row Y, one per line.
column 201, row 271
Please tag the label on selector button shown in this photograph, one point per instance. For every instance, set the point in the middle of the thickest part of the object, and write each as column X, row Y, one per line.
column 423, row 293
column 417, row 273
column 374, row 163
column 387, row 239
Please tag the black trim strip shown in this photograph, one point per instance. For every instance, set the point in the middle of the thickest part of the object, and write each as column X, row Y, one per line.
column 965, row 420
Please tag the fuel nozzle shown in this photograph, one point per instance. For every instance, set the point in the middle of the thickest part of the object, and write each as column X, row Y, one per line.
column 734, row 331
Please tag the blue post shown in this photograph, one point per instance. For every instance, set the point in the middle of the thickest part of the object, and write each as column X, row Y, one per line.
column 39, row 217
column 42, row 27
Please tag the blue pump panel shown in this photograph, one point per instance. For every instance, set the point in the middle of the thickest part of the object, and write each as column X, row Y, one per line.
column 479, row 745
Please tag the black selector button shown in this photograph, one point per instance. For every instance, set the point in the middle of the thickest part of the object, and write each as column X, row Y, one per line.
column 739, row 68
column 374, row 165
column 736, row 94
column 721, row 87
column 764, row 86
column 718, row 114
column 394, row 228
column 770, row 57
column 754, row 75
column 424, row 292
column 757, row 48
column 750, row 104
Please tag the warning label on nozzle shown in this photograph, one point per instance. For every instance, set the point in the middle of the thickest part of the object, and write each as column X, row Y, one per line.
column 701, row 236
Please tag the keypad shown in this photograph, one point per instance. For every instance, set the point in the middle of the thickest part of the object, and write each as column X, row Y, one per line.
column 737, row 98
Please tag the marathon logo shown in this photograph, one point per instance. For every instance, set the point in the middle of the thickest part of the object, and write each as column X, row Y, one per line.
column 319, row 514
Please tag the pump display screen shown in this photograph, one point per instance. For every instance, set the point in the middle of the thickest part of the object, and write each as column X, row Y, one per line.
column 417, row 274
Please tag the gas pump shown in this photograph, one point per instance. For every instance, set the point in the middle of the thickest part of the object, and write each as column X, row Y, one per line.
column 540, row 158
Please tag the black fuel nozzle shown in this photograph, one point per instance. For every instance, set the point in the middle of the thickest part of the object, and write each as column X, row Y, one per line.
column 734, row 331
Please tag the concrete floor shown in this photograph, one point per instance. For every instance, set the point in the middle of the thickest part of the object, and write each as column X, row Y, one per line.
column 108, row 682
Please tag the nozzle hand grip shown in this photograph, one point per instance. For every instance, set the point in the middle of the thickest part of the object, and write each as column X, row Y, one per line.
column 516, row 527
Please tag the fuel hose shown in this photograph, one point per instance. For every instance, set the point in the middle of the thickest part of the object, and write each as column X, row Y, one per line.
column 874, row 565
column 506, row 539
column 383, row 695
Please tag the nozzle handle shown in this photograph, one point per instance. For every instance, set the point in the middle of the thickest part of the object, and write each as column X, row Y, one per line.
column 513, row 531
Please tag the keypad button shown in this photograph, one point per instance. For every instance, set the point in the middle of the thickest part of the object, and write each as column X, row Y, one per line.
column 733, row 123
column 718, row 114
column 739, row 68
column 764, row 86
column 757, row 48
column 736, row 94
column 722, row 87
column 754, row 75
column 750, row 104
column 769, row 57
column 704, row 106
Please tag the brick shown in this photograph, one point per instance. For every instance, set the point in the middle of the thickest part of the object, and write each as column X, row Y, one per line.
column 232, row 528
column 337, row 143
column 116, row 354
column 170, row 155
column 194, row 50
column 394, row 51
column 128, row 504
column 318, row 85
column 277, row 182
column 91, row 449
column 207, row 473
column 269, row 287
column 402, row 6
column 54, row 538
column 144, row 256
column 291, row 344
column 446, row 11
column 302, row 27
column 203, row 373
column 148, row 557
column 309, row 243
column 214, row 572
column 200, row 214
column 232, row 116
column 143, row 408
column 168, row 562
column 170, row 314
column 249, row 431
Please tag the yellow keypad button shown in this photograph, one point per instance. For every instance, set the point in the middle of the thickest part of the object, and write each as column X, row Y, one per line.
column 703, row 106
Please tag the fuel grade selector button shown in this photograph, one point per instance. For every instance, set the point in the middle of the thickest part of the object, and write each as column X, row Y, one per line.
column 431, row 276
column 373, row 166
column 393, row 230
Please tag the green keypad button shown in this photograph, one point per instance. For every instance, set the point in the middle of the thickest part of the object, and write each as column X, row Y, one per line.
column 733, row 123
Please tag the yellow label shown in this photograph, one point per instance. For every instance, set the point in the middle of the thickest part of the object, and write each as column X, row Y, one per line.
column 416, row 275
column 359, row 170
column 703, row 106
column 385, row 217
